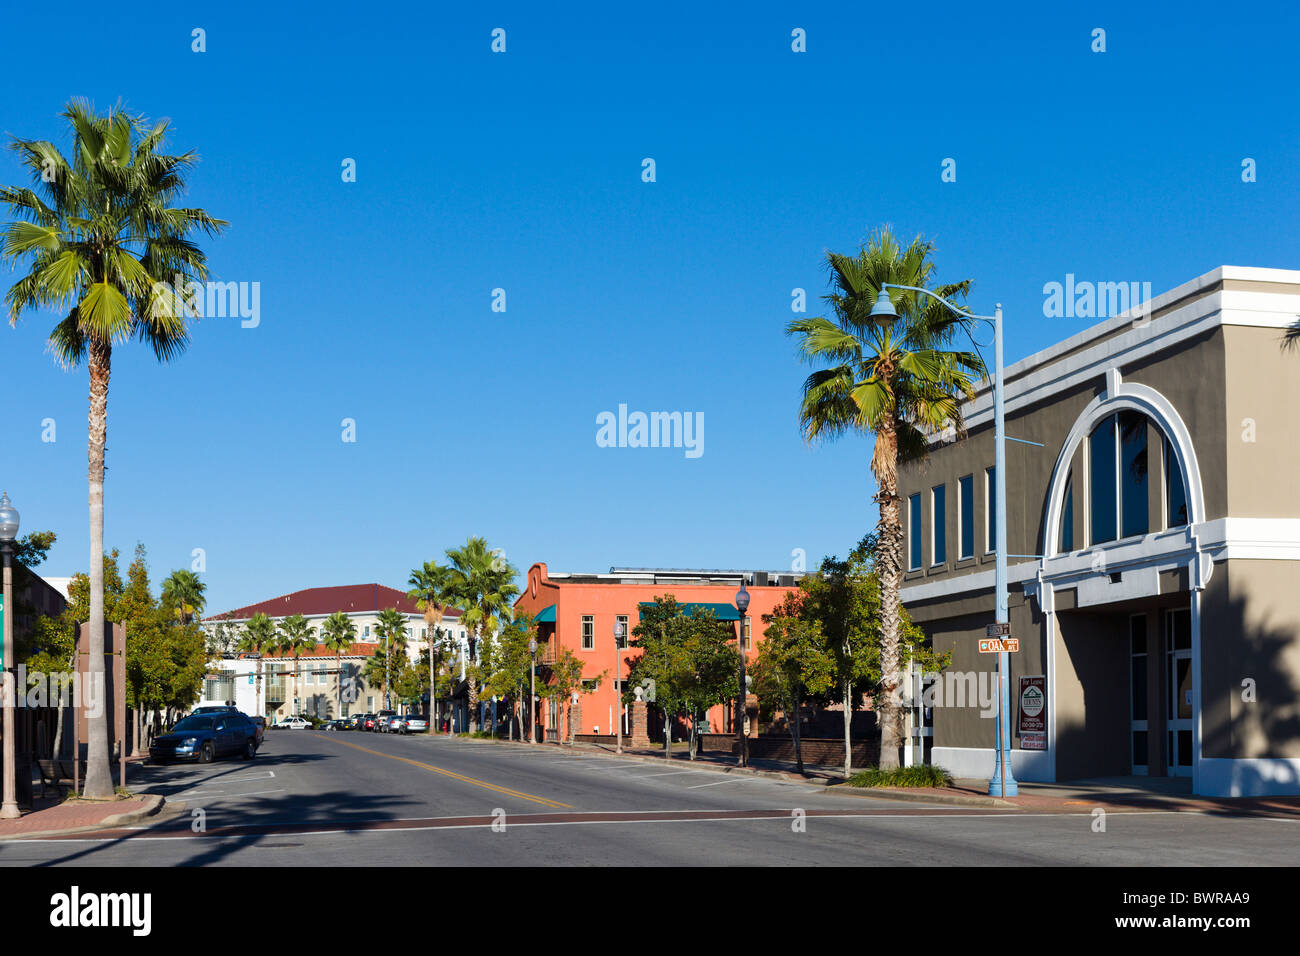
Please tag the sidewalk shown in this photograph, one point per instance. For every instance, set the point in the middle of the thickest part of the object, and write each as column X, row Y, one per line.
column 53, row 815
column 78, row 816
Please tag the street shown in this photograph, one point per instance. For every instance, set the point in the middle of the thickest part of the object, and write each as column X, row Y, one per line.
column 317, row 800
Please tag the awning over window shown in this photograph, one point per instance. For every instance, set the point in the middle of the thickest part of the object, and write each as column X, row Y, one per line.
column 547, row 615
column 722, row 612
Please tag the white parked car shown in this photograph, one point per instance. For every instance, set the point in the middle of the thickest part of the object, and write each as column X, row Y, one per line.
column 293, row 723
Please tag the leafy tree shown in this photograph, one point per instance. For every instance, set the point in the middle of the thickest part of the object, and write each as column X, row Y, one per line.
column 565, row 680
column 899, row 381
column 259, row 638
column 183, row 594
column 392, row 627
column 794, row 664
column 338, row 634
column 506, row 666
column 227, row 637
column 690, row 658
column 102, row 235
column 482, row 588
column 293, row 638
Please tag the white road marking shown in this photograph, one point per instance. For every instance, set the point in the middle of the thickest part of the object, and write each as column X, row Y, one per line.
column 670, row 773
column 721, row 782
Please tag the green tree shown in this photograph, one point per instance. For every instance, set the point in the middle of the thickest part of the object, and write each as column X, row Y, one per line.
column 432, row 588
column 102, row 235
column 183, row 595
column 293, row 638
column 259, row 638
column 391, row 626
column 505, row 667
column 338, row 634
column 565, row 680
column 794, row 664
column 689, row 656
column 482, row 588
column 899, row 381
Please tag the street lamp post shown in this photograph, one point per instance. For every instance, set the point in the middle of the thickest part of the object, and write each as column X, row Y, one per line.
column 1003, row 782
column 742, row 605
column 618, row 677
column 8, row 531
column 532, row 690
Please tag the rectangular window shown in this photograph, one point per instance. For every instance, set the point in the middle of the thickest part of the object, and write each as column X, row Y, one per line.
column 1134, row 507
column 1067, row 517
column 939, row 524
column 627, row 633
column 1175, row 493
column 588, row 685
column 914, row 532
column 1102, row 483
column 991, row 509
column 966, row 515
column 744, row 630
column 588, row 632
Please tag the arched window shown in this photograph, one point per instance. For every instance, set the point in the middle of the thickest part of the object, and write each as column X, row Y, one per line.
column 1119, row 494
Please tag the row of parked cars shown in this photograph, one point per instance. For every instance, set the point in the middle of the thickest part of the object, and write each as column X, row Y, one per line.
column 384, row 722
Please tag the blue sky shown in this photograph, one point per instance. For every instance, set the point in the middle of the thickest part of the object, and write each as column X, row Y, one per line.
column 522, row 171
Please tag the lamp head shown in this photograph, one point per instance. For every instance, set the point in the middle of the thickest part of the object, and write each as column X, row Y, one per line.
column 742, row 599
column 883, row 312
column 8, row 520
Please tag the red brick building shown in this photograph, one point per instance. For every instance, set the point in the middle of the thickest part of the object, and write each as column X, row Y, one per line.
column 579, row 611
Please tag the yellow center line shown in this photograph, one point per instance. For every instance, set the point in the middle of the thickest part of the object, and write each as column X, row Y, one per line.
column 544, row 801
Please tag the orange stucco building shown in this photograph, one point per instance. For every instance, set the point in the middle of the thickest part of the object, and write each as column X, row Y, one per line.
column 579, row 612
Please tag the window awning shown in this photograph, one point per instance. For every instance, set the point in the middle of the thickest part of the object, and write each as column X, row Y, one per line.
column 722, row 612
column 546, row 616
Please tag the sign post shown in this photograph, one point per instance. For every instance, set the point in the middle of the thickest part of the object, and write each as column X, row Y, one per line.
column 999, row 641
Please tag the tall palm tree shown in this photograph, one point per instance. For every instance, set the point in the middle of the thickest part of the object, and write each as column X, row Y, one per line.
column 293, row 637
column 183, row 591
column 338, row 634
column 482, row 585
column 431, row 590
column 259, row 637
column 900, row 383
column 102, row 233
column 391, row 625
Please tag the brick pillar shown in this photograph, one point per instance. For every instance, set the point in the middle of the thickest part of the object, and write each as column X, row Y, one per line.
column 575, row 720
column 640, row 732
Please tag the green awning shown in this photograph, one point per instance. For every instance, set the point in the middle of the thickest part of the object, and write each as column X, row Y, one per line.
column 722, row 612
column 547, row 615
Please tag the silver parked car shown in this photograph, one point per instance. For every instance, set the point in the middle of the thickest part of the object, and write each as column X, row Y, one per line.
column 413, row 724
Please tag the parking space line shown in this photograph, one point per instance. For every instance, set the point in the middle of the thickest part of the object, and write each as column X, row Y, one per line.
column 670, row 773
column 721, row 782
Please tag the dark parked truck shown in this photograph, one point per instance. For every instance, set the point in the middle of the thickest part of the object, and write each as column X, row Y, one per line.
column 204, row 737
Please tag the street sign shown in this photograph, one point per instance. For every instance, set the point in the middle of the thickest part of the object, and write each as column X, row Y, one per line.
column 996, row 645
column 1000, row 629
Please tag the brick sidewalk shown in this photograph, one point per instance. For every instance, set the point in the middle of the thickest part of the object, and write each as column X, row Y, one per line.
column 79, row 815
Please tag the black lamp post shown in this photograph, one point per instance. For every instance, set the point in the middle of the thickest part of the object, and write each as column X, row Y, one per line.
column 532, row 690
column 618, row 677
column 742, row 605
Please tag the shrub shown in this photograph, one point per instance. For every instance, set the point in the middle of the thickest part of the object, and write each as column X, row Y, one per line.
column 921, row 776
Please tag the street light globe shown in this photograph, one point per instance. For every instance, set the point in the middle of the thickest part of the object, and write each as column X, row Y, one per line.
column 883, row 311
column 742, row 599
column 618, row 630
column 8, row 520
column 532, row 645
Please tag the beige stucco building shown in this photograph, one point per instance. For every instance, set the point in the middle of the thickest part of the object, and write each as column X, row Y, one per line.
column 1153, row 525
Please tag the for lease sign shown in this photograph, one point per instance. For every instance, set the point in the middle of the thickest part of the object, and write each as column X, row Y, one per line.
column 1033, row 712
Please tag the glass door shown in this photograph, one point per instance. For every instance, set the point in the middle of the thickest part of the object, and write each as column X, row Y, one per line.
column 1139, row 734
column 1178, row 692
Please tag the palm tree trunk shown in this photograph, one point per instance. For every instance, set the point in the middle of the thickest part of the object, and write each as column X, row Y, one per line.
column 847, row 701
column 794, row 729
column 99, row 780
column 889, row 562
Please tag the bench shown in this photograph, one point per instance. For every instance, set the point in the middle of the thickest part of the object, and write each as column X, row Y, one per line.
column 57, row 773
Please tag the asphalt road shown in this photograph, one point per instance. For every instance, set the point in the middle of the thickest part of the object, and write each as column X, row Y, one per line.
column 316, row 799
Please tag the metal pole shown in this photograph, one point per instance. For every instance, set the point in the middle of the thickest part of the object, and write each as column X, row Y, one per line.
column 9, row 810
column 1003, row 783
column 740, row 708
column 532, row 697
column 618, row 698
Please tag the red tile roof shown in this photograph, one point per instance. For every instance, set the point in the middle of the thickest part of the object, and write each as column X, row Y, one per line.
column 352, row 598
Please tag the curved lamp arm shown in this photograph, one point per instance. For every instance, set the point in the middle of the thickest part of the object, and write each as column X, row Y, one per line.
column 941, row 300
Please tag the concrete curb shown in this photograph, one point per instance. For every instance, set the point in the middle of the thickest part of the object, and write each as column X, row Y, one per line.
column 153, row 805
column 923, row 796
